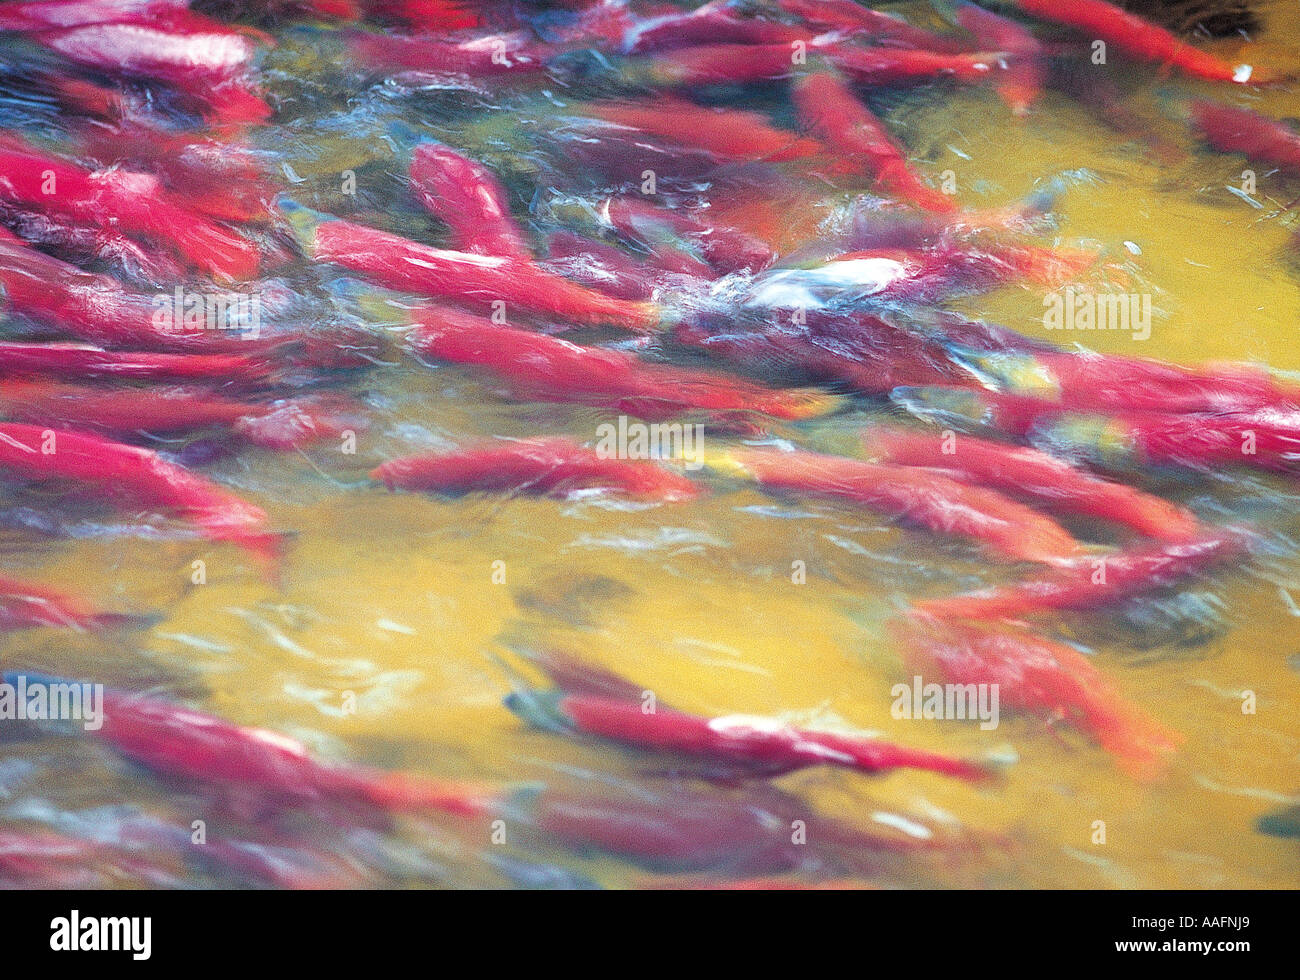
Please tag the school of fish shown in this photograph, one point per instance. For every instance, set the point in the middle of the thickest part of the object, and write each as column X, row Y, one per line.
column 664, row 269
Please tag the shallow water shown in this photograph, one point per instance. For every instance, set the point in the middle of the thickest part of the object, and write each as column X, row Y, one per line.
column 391, row 598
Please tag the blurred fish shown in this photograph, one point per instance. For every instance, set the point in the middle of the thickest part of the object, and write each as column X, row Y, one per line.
column 424, row 15
column 830, row 111
column 714, row 64
column 724, row 248
column 1044, row 678
column 79, row 362
column 603, row 267
column 729, row 134
column 219, row 177
column 1234, row 130
column 1026, row 472
column 1100, row 580
column 914, row 496
column 733, row 834
column 1263, row 439
column 1114, row 383
column 125, row 257
column 282, row 424
column 40, row 14
column 551, row 369
column 469, row 199
column 1283, row 823
column 1139, row 38
column 202, row 58
column 480, row 280
column 715, row 22
column 87, row 305
column 753, row 745
column 914, row 276
column 866, row 354
column 476, row 55
column 882, row 28
column 24, row 605
column 119, row 200
column 555, row 466
column 270, row 768
column 887, row 66
column 38, row 453
column 1022, row 81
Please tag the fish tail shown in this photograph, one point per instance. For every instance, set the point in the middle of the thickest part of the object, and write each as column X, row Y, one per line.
column 268, row 548
column 1041, row 539
column 1141, row 745
column 1055, row 266
column 902, row 181
column 1154, row 516
column 796, row 404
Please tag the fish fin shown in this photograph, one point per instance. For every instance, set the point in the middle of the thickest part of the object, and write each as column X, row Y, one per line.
column 1141, row 745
